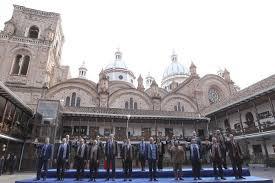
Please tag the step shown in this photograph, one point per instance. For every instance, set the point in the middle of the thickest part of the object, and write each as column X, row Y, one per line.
column 249, row 179
column 137, row 173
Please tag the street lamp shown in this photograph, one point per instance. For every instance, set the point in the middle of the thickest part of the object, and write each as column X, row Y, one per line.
column 127, row 125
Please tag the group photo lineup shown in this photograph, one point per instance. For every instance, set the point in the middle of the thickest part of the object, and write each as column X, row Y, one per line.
column 114, row 91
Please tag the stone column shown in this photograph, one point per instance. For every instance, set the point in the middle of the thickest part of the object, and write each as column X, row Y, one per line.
column 257, row 116
column 271, row 106
column 241, row 122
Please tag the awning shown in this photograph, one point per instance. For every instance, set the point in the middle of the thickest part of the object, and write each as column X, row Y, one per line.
column 256, row 135
column 7, row 93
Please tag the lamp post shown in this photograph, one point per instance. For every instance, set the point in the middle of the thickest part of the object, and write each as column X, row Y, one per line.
column 127, row 125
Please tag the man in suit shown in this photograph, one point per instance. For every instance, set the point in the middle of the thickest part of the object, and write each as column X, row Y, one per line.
column 177, row 157
column 152, row 156
column 217, row 159
column 222, row 142
column 195, row 157
column 61, row 158
column 235, row 155
column 81, row 157
column 93, row 157
column 70, row 159
column 44, row 156
column 161, row 152
column 101, row 148
column 127, row 156
column 142, row 154
column 111, row 153
column 2, row 161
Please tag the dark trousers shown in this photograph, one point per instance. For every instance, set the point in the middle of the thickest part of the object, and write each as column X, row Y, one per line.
column 93, row 168
column 80, row 166
column 152, row 168
column 60, row 168
column 217, row 164
column 223, row 152
column 237, row 166
column 196, row 168
column 160, row 162
column 1, row 166
column 128, row 168
column 142, row 162
column 109, row 162
column 42, row 163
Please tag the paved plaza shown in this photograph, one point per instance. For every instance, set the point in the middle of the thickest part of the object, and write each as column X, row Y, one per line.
column 255, row 171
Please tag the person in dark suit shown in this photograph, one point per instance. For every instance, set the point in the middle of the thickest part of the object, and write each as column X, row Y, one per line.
column 142, row 154
column 81, row 159
column 93, row 157
column 111, row 153
column 127, row 156
column 195, row 157
column 101, row 149
column 235, row 155
column 222, row 142
column 2, row 161
column 217, row 158
column 161, row 152
column 45, row 154
column 70, row 144
column 61, row 158
column 152, row 157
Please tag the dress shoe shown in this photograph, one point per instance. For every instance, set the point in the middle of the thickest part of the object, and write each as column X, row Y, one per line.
column 199, row 178
column 155, row 179
column 223, row 178
column 241, row 177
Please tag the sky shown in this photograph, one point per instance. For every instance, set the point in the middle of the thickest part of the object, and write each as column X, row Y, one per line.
column 238, row 35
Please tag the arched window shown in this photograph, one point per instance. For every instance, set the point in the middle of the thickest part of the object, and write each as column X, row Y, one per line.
column 25, row 65
column 73, row 99
column 21, row 65
column 126, row 105
column 78, row 100
column 249, row 119
column 135, row 105
column 131, row 103
column 33, row 32
column 67, row 102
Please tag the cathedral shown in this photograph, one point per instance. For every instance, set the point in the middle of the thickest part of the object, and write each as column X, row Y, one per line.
column 30, row 52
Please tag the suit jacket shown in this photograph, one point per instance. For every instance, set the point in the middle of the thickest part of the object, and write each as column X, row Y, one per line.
column 46, row 151
column 67, row 152
column 142, row 149
column 152, row 153
column 95, row 149
column 234, row 151
column 192, row 157
column 161, row 148
column 111, row 150
column 84, row 154
column 177, row 154
column 127, row 153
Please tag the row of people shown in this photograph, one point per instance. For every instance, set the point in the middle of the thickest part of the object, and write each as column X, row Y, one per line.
column 8, row 163
column 91, row 154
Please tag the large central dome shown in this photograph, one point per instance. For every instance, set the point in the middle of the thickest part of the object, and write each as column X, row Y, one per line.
column 175, row 68
column 118, row 71
column 174, row 73
column 118, row 63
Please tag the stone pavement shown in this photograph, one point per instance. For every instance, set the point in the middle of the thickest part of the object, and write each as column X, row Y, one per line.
column 255, row 171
